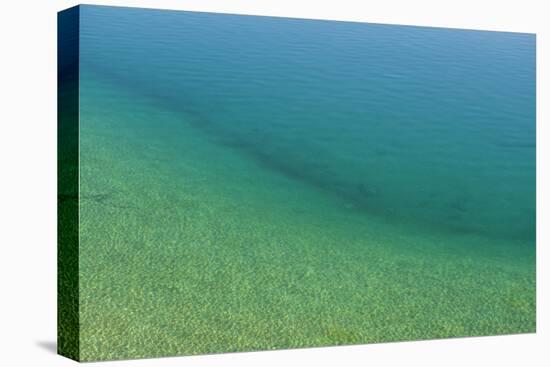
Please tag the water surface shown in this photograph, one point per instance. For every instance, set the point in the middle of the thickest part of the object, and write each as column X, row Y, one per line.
column 257, row 183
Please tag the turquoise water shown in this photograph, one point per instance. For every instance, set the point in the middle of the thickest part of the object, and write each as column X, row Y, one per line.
column 257, row 183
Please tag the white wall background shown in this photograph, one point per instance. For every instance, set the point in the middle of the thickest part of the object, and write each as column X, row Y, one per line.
column 28, row 181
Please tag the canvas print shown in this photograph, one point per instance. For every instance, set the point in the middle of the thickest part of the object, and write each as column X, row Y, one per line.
column 238, row 183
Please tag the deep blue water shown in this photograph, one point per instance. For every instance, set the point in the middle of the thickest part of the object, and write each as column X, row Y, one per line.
column 423, row 126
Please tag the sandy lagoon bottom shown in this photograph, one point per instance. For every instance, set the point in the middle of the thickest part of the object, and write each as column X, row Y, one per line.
column 189, row 247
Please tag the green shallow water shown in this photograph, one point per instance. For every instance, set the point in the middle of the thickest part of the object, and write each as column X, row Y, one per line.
column 294, row 194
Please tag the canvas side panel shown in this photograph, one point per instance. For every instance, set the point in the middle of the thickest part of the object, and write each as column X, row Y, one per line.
column 67, row 178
